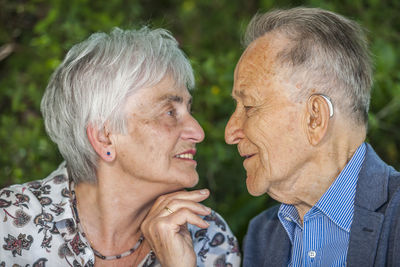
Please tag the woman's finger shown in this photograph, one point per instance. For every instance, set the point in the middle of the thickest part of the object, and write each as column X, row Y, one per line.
column 195, row 195
column 183, row 216
column 175, row 205
column 164, row 200
column 168, row 226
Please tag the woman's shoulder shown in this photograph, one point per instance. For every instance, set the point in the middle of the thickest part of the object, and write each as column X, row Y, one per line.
column 28, row 212
column 36, row 194
column 215, row 245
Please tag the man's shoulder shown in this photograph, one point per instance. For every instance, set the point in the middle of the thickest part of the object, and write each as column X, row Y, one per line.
column 393, row 204
column 263, row 227
column 265, row 219
column 265, row 237
column 377, row 207
column 394, row 181
column 378, row 182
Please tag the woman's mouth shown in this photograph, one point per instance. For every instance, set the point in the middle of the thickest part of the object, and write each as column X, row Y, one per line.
column 186, row 155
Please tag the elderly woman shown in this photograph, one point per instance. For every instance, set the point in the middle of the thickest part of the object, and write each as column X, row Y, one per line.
column 118, row 108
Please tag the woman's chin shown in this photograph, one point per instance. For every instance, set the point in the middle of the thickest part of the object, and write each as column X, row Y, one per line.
column 189, row 183
column 181, row 182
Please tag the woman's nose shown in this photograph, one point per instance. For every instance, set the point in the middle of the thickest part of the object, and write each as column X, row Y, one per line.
column 193, row 131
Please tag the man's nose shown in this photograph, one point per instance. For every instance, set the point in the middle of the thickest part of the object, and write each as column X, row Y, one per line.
column 233, row 130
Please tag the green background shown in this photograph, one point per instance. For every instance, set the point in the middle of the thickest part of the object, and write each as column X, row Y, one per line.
column 35, row 35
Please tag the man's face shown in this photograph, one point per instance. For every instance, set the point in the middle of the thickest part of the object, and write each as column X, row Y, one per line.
column 160, row 145
column 267, row 124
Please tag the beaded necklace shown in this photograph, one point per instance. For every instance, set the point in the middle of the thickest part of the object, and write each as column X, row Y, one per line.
column 80, row 228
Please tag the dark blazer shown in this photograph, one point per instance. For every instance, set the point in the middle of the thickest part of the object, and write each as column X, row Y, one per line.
column 374, row 234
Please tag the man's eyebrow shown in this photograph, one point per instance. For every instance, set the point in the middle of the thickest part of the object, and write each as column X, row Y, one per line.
column 238, row 93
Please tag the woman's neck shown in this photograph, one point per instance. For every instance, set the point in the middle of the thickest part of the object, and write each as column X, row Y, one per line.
column 111, row 211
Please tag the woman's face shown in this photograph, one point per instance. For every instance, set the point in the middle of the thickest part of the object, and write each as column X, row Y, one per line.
column 160, row 144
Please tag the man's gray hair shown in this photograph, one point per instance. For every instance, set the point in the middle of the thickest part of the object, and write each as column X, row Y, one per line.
column 91, row 85
column 326, row 52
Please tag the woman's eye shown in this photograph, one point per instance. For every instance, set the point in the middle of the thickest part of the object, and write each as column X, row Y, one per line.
column 171, row 113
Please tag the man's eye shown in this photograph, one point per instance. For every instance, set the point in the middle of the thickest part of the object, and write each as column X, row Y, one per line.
column 247, row 108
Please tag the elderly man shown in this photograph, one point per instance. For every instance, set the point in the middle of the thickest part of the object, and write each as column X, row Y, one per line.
column 302, row 91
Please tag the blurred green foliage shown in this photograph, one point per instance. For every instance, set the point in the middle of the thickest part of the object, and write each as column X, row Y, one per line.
column 35, row 35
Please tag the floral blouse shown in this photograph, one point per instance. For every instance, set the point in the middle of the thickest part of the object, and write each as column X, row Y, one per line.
column 37, row 228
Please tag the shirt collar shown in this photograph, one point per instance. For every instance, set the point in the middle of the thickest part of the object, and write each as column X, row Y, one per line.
column 289, row 217
column 337, row 203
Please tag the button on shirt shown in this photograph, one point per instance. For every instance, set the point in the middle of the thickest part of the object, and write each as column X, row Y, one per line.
column 323, row 239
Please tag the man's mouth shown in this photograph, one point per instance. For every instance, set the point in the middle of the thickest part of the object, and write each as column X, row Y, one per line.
column 247, row 156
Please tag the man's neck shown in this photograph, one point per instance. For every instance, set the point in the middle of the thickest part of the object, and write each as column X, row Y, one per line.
column 329, row 160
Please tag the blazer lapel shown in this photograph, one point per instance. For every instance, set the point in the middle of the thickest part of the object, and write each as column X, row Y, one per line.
column 278, row 253
column 364, row 236
column 371, row 193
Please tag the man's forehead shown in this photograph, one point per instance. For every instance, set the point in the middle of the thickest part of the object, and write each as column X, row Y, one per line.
column 256, row 69
column 258, row 58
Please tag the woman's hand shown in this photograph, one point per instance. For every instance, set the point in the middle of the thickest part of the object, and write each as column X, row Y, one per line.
column 165, row 227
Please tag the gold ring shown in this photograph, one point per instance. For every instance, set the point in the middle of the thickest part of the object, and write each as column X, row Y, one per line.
column 169, row 210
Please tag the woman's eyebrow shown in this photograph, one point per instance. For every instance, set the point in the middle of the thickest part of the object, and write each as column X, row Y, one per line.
column 171, row 98
column 174, row 98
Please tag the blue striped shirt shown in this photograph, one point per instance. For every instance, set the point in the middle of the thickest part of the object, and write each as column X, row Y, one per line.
column 323, row 239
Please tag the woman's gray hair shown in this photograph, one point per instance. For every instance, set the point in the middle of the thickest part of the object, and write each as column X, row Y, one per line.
column 326, row 52
column 91, row 85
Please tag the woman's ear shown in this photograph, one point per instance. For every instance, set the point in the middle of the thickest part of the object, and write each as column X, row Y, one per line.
column 101, row 143
column 317, row 118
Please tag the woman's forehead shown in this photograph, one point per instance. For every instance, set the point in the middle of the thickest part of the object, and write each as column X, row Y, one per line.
column 167, row 90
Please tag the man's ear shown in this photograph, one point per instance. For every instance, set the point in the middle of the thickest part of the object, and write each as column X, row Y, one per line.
column 317, row 119
column 101, row 143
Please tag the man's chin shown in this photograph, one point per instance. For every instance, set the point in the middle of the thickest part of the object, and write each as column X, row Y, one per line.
column 252, row 188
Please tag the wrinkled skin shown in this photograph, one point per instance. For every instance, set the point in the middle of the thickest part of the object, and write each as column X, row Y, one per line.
column 139, row 174
column 292, row 149
column 266, row 124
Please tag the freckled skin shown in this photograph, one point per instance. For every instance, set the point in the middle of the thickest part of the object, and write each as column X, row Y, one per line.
column 154, row 137
column 272, row 127
column 290, row 160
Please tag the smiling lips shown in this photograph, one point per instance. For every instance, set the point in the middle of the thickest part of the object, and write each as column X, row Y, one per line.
column 186, row 155
column 247, row 156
